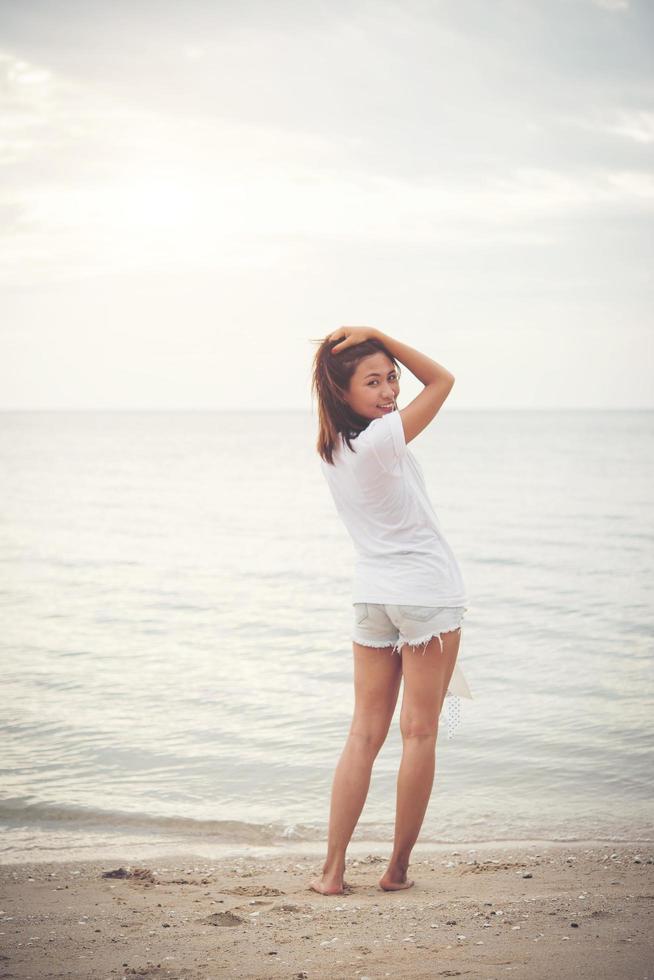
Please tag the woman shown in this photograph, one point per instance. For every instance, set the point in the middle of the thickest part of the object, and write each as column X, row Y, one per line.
column 408, row 593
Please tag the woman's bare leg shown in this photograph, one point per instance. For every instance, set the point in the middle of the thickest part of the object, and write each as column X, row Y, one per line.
column 426, row 679
column 377, row 678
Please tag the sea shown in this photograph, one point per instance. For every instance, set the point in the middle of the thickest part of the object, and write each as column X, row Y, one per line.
column 177, row 669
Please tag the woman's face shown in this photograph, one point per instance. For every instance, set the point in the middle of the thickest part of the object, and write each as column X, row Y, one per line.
column 374, row 386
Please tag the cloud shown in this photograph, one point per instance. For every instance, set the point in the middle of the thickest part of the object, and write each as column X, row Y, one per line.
column 216, row 165
column 629, row 124
column 92, row 185
column 615, row 6
column 467, row 148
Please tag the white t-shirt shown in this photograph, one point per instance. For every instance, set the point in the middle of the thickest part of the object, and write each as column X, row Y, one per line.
column 379, row 490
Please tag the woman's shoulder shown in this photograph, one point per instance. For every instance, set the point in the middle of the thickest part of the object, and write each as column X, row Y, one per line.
column 384, row 440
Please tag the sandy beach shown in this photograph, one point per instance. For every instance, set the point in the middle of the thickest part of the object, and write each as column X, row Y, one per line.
column 530, row 911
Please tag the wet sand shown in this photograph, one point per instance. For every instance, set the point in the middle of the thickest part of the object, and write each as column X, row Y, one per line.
column 489, row 911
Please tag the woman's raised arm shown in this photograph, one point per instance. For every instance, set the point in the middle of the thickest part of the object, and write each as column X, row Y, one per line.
column 437, row 380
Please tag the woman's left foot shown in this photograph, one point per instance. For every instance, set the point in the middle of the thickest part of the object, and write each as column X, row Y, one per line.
column 394, row 878
column 389, row 885
column 327, row 887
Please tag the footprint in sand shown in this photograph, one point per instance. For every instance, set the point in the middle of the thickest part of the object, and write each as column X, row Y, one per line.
column 223, row 919
column 252, row 890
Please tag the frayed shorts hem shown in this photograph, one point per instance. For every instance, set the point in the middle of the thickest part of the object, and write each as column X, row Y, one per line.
column 437, row 620
column 396, row 645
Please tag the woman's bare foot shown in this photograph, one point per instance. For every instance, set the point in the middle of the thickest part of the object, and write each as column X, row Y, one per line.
column 394, row 879
column 330, row 886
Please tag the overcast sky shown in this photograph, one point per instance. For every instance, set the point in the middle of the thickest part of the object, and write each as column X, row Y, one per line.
column 191, row 192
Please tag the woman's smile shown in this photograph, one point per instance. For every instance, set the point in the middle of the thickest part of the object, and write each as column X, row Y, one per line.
column 375, row 377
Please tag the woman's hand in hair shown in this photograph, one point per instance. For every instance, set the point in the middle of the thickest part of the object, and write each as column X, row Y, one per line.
column 349, row 336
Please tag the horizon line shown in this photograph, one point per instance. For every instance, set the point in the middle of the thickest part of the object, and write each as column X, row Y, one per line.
column 310, row 411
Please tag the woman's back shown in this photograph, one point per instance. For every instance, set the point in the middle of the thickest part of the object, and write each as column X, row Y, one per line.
column 380, row 494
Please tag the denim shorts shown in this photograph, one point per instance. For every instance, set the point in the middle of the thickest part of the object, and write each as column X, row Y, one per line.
column 384, row 625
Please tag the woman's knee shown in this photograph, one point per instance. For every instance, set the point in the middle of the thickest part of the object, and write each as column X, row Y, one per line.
column 419, row 727
column 369, row 733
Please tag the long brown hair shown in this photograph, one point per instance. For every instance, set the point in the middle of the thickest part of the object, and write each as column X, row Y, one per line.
column 330, row 380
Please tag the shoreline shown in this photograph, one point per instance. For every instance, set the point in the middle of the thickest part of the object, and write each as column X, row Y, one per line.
column 161, row 848
column 537, row 910
column 41, row 843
